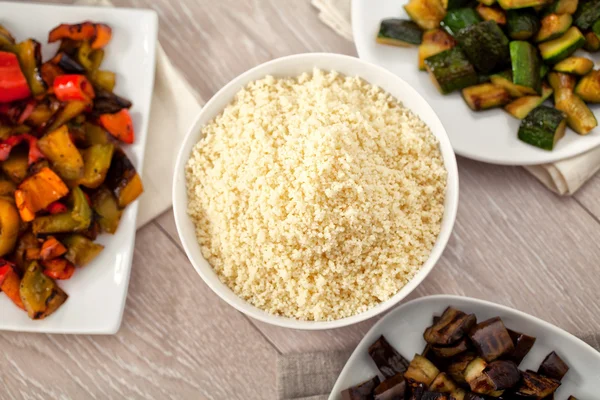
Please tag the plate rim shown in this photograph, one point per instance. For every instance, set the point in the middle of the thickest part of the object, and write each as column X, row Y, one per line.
column 449, row 298
column 547, row 156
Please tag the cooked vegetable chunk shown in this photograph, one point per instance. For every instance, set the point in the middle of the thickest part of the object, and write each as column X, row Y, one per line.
column 96, row 160
column 525, row 65
column 553, row 367
column 450, row 328
column 476, row 378
column 491, row 339
column 491, row 14
column 442, row 384
column 536, row 386
column 458, row 19
column 588, row 12
column 78, row 218
column 579, row 117
column 10, row 284
column 523, row 343
column 421, row 370
column 588, row 87
column 452, row 350
column 563, row 6
column 52, row 248
column 123, row 179
column 434, row 42
column 450, row 70
column 13, row 85
column 62, row 153
column 81, row 250
column 38, row 191
column 503, row 374
column 521, row 107
column 41, row 296
column 399, row 32
column 505, row 79
column 543, row 127
column 485, row 45
column 522, row 24
column 9, row 226
column 391, row 389
column 363, row 391
column 387, row 359
column 553, row 26
column 119, row 125
column 30, row 58
column 557, row 50
column 485, row 96
column 458, row 366
column 592, row 42
column 512, row 4
column 426, row 13
column 108, row 213
column 575, row 65
column 98, row 34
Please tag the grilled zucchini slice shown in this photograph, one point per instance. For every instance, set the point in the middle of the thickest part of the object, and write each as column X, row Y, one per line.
column 434, row 42
column 592, row 42
column 513, row 4
column 543, row 127
column 485, row 45
column 588, row 87
column 491, row 14
column 505, row 79
column 525, row 65
column 522, row 24
column 487, row 2
column 450, row 70
column 575, row 65
column 399, row 32
column 426, row 13
column 553, row 26
column 563, row 6
column 579, row 117
column 485, row 96
column 460, row 18
column 558, row 49
column 588, row 12
column 522, row 106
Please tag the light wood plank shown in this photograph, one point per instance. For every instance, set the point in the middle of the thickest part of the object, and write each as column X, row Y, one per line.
column 589, row 194
column 177, row 340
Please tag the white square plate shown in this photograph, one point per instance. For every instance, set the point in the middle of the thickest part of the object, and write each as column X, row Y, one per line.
column 97, row 292
column 404, row 327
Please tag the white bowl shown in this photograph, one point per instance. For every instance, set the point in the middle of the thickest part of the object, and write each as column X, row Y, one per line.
column 288, row 67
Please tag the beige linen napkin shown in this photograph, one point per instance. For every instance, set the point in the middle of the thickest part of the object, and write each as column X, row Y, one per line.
column 174, row 107
column 563, row 177
column 311, row 376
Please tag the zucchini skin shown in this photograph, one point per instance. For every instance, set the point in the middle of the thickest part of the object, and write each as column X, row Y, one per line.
column 563, row 6
column 514, row 4
column 521, row 107
column 505, row 79
column 553, row 26
column 557, row 50
column 399, row 32
column 485, row 96
column 543, row 127
column 450, row 70
column 592, row 42
column 434, row 41
column 587, row 13
column 525, row 65
column 492, row 13
column 522, row 24
column 575, row 65
column 588, row 87
column 458, row 19
column 485, row 45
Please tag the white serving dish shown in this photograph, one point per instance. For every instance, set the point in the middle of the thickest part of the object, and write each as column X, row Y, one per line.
column 403, row 328
column 294, row 66
column 489, row 136
column 97, row 292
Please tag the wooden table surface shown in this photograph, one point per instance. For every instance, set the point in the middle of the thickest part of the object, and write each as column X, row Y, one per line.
column 514, row 243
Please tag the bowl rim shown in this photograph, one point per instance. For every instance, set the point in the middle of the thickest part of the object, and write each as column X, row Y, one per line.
column 219, row 288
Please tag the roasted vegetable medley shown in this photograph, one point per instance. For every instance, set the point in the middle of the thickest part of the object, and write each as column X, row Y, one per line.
column 513, row 54
column 64, row 178
column 463, row 360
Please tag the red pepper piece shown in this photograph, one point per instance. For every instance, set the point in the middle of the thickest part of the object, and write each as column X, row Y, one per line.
column 73, row 87
column 56, row 208
column 58, row 268
column 7, row 145
column 119, row 125
column 10, row 282
column 98, row 34
column 4, row 270
column 13, row 85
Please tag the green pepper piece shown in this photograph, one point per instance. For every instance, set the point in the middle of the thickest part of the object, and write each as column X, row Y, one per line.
column 83, row 56
column 107, row 210
column 30, row 58
column 96, row 160
column 81, row 250
column 94, row 134
column 77, row 219
column 7, row 41
column 41, row 296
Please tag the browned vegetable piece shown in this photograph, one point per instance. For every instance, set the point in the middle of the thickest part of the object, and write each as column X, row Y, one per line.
column 451, row 327
column 70, row 110
column 24, row 243
column 76, row 219
column 416, row 392
column 391, row 389
column 123, row 179
column 81, row 250
column 491, row 339
column 52, row 248
column 9, row 226
column 458, row 394
column 475, row 396
column 522, row 343
column 96, row 159
column 428, row 395
column 536, row 385
column 421, row 370
column 476, row 378
column 108, row 213
column 363, row 391
column 30, row 58
column 38, row 191
column 553, row 367
column 572, row 398
column 41, row 296
column 451, row 351
column 503, row 374
column 43, row 112
column 16, row 166
column 7, row 188
column 458, row 366
column 62, row 153
column 95, row 134
column 443, row 384
column 387, row 359
column 106, row 102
